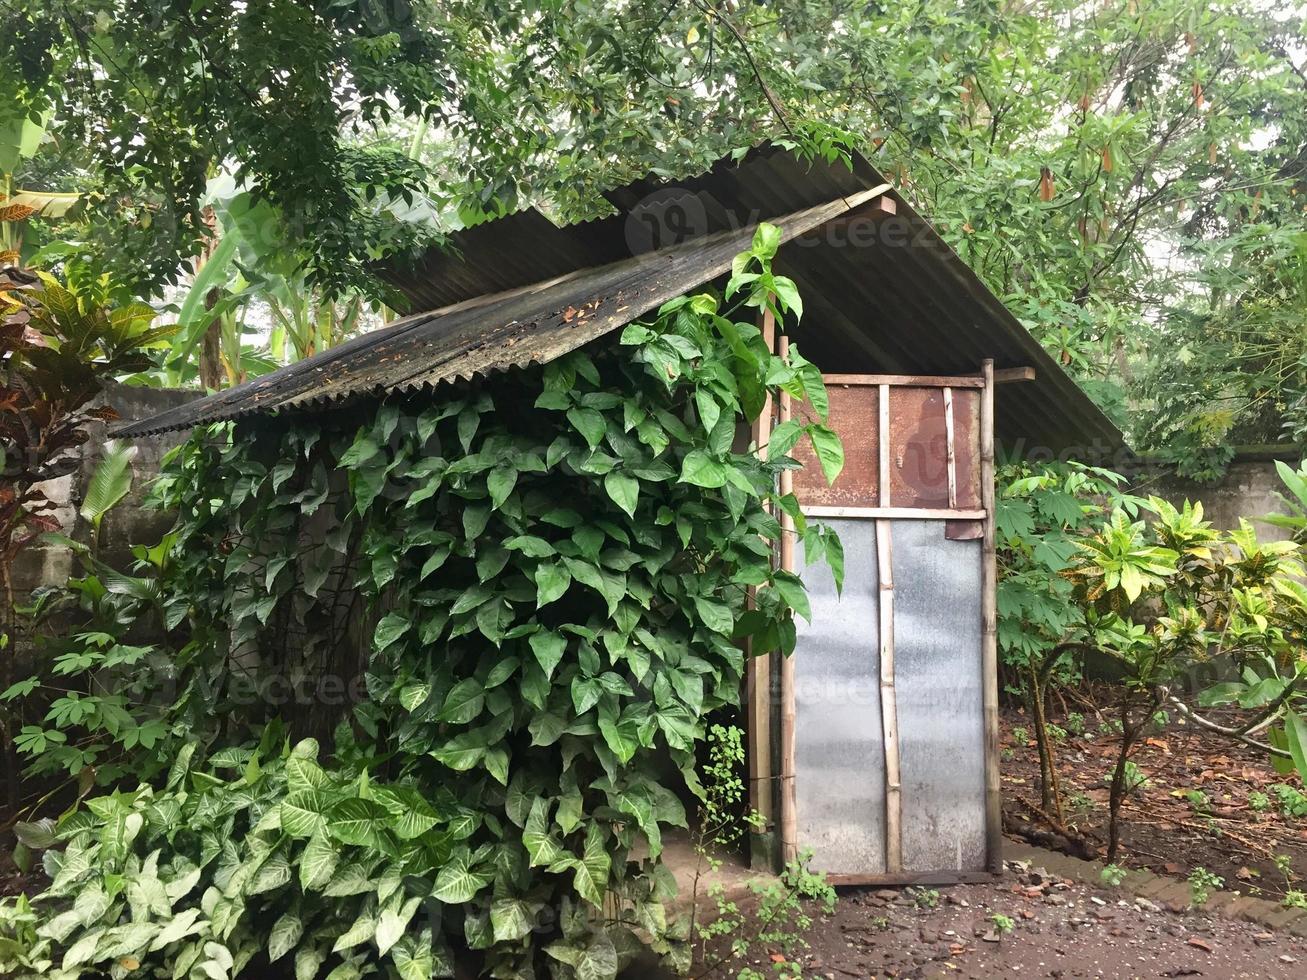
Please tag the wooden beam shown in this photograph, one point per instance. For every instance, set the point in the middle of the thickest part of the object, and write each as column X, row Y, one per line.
column 883, row 207
column 905, row 380
column 1004, row 376
column 912, row 878
column 889, row 710
column 883, row 440
column 907, row 513
column 989, row 630
column 789, row 792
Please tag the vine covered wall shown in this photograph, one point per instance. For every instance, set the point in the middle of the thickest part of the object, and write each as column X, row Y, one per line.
column 543, row 582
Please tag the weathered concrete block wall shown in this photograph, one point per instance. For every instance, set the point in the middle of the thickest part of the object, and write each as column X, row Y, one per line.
column 45, row 564
column 1247, row 490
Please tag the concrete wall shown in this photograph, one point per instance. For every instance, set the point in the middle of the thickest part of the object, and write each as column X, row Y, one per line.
column 43, row 564
column 1247, row 490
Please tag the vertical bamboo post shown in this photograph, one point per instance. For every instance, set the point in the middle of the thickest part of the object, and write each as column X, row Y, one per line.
column 758, row 667
column 889, row 711
column 989, row 628
column 789, row 795
column 883, row 440
column 952, row 454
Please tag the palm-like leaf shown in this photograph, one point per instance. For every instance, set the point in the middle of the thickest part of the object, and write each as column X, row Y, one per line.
column 110, row 482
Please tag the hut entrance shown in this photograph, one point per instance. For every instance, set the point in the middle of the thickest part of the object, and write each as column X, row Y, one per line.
column 891, row 768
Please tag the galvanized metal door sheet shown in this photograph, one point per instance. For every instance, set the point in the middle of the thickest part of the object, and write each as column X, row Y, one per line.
column 839, row 755
column 937, row 676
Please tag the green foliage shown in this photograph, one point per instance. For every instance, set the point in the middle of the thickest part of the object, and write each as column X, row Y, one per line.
column 560, row 567
column 782, row 913
column 1124, row 177
column 1156, row 598
column 1295, row 481
column 1040, row 514
column 1134, row 779
column 779, row 919
column 1214, row 596
column 260, row 855
column 1201, row 885
column 1003, row 924
column 924, row 898
column 59, row 345
column 1292, row 801
column 1199, row 801
column 110, row 483
column 1112, row 875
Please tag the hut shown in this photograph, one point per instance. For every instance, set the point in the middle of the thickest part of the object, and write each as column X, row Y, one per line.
column 875, row 747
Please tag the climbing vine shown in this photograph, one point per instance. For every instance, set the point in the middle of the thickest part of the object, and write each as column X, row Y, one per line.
column 559, row 571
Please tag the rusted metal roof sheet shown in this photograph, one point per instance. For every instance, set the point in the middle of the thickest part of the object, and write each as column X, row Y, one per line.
column 512, row 328
column 889, row 297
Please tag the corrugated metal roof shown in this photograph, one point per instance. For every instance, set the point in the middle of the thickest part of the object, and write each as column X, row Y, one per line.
column 511, row 328
column 897, row 300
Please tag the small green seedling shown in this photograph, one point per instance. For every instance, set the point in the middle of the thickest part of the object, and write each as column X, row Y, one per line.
column 1201, row 885
column 1112, row 875
column 924, row 898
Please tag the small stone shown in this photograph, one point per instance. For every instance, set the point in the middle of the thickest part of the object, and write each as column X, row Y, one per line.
column 992, row 936
column 1054, row 899
column 1146, row 905
column 1286, row 958
column 1096, row 900
column 1202, row 944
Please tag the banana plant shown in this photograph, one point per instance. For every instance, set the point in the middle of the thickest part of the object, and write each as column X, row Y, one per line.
column 20, row 138
column 1295, row 482
column 252, row 286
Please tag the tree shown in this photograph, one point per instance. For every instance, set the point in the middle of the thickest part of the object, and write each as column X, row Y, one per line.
column 1123, row 175
column 57, row 350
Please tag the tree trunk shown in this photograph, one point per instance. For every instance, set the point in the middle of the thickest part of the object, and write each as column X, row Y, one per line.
column 211, row 373
column 1130, row 733
column 1049, row 789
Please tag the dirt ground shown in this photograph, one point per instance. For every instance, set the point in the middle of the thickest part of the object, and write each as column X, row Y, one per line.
column 1208, row 802
column 1058, row 929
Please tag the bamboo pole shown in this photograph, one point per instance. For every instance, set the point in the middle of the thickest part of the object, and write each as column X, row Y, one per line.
column 989, row 628
column 889, row 710
column 789, row 796
column 952, row 455
column 758, row 667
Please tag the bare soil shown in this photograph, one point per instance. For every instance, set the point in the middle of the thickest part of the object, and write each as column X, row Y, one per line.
column 1058, row 929
column 1199, row 808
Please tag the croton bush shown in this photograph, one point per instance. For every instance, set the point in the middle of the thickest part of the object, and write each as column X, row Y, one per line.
column 557, row 569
